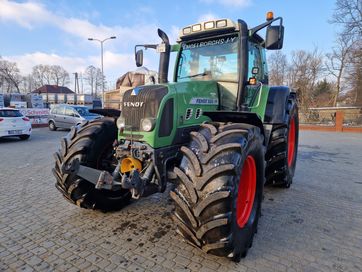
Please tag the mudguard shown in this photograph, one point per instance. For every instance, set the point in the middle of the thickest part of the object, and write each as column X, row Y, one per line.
column 276, row 108
column 236, row 117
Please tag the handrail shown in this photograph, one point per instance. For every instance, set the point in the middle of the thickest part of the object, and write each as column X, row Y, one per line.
column 337, row 108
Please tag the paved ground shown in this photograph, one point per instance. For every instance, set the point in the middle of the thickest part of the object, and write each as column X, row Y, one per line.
column 316, row 225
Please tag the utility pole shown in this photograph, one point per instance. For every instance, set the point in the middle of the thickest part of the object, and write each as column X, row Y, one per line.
column 101, row 42
column 81, row 82
column 76, row 83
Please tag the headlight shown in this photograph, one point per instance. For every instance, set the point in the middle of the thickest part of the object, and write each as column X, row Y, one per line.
column 147, row 124
column 121, row 122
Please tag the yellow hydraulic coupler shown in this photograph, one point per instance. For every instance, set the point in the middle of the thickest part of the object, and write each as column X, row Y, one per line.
column 128, row 164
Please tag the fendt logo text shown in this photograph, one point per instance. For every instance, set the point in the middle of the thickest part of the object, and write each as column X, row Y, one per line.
column 133, row 104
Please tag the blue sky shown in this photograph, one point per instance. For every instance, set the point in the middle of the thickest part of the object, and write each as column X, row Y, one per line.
column 56, row 32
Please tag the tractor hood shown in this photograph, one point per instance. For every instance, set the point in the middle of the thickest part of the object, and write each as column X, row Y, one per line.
column 172, row 108
column 194, row 98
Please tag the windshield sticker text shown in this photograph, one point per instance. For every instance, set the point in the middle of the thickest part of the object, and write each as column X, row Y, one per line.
column 209, row 43
column 204, row 101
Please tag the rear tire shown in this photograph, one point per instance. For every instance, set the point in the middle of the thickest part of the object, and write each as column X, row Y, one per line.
column 207, row 211
column 24, row 137
column 91, row 143
column 52, row 126
column 281, row 156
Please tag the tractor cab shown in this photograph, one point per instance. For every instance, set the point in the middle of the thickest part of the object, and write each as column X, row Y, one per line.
column 230, row 54
column 226, row 52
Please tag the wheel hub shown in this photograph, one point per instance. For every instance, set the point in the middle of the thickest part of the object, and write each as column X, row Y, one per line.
column 246, row 191
column 291, row 142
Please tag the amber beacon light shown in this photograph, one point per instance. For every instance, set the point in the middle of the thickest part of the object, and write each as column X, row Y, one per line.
column 269, row 16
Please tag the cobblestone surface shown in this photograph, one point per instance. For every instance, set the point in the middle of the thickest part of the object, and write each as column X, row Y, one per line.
column 316, row 225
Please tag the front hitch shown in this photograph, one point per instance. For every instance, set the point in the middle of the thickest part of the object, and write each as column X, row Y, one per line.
column 103, row 180
column 140, row 186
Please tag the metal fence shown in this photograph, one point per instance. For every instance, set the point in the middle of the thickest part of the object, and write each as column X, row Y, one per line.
column 339, row 118
column 352, row 116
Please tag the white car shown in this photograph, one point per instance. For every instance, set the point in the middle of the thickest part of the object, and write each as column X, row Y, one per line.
column 13, row 123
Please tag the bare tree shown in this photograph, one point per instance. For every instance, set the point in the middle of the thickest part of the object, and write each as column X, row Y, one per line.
column 93, row 78
column 348, row 14
column 59, row 75
column 2, row 81
column 27, row 85
column 337, row 62
column 278, row 66
column 40, row 75
column 304, row 71
column 10, row 75
column 50, row 75
column 354, row 72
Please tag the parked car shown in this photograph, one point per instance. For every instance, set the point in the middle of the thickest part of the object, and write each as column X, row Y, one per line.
column 13, row 123
column 66, row 116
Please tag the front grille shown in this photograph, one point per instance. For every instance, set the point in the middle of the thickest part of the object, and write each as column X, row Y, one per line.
column 198, row 113
column 143, row 104
column 188, row 114
column 132, row 136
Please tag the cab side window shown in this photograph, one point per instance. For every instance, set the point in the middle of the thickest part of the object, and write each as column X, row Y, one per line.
column 255, row 60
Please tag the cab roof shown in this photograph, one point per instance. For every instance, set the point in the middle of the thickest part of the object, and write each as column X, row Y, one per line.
column 207, row 28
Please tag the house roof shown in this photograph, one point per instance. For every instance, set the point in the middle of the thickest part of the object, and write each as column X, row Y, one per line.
column 53, row 89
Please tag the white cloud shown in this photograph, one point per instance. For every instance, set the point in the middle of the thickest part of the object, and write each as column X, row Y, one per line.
column 31, row 14
column 83, row 28
column 229, row 3
column 114, row 64
column 207, row 17
column 25, row 14
column 174, row 34
column 27, row 61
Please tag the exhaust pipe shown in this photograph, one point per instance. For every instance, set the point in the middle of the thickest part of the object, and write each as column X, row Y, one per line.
column 164, row 58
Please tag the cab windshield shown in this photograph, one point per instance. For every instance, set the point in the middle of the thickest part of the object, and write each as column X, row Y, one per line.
column 212, row 59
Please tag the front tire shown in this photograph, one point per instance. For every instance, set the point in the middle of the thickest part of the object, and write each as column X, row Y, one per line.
column 219, row 190
column 91, row 143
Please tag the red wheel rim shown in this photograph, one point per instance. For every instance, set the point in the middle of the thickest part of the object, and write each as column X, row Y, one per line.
column 246, row 192
column 291, row 142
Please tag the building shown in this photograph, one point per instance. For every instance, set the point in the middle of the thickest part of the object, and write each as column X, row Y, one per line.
column 53, row 89
column 54, row 94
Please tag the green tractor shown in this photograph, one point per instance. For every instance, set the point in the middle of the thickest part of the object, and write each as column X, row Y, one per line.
column 218, row 132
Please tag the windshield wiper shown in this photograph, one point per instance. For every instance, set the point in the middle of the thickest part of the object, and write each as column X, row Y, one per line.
column 196, row 75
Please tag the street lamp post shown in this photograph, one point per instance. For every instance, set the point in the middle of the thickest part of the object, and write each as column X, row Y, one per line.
column 101, row 42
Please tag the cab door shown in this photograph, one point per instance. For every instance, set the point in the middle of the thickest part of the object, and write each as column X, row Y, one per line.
column 257, row 95
column 256, row 61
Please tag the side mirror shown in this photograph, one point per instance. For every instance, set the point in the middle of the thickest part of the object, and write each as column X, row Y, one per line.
column 274, row 37
column 139, row 58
